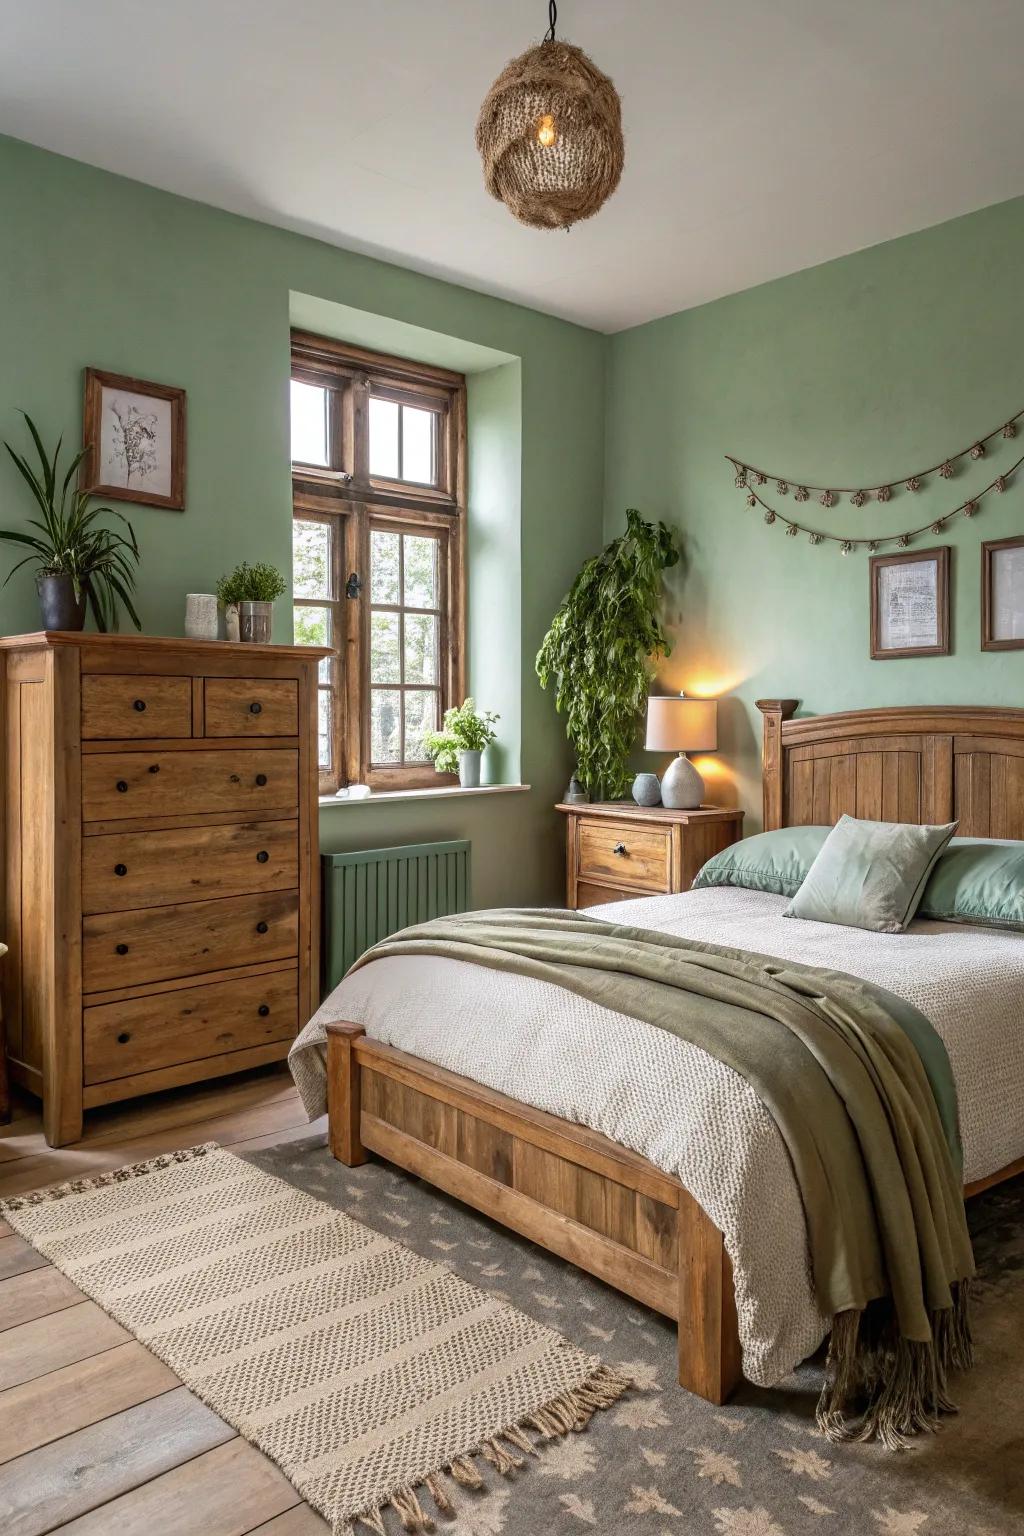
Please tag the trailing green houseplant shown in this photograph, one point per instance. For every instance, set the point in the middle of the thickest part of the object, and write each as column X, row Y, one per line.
column 464, row 735
column 79, row 559
column 251, row 591
column 600, row 647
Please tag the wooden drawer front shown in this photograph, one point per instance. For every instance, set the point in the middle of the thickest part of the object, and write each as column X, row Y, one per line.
column 119, row 708
column 129, row 949
column 598, row 895
column 645, row 861
column 185, row 1025
column 118, row 785
column 126, row 870
column 251, row 706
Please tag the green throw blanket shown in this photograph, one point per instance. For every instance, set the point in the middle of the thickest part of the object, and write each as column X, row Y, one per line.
column 860, row 1088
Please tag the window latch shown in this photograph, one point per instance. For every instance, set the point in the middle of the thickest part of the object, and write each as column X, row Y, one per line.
column 354, row 585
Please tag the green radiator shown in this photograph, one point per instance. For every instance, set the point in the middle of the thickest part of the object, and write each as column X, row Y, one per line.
column 368, row 895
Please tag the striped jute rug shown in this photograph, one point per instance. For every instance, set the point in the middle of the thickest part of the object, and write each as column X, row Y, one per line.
column 373, row 1377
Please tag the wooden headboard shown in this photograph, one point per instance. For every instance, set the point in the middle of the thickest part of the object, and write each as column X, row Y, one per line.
column 933, row 764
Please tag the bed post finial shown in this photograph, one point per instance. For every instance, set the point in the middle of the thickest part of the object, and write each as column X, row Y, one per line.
column 775, row 711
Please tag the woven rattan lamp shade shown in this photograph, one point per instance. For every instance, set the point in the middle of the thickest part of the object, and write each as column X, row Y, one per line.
column 550, row 137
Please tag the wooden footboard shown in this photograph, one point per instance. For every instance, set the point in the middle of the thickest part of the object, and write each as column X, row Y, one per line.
column 570, row 1190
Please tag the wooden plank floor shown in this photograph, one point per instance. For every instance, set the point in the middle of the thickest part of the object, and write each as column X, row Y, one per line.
column 97, row 1436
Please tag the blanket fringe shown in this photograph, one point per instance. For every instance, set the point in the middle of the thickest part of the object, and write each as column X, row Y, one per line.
column 113, row 1176
column 881, row 1386
column 570, row 1411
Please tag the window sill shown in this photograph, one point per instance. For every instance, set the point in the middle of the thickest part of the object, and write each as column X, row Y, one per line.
column 443, row 792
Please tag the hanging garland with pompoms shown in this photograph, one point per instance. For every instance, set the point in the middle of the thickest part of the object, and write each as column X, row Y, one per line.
column 751, row 480
column 829, row 496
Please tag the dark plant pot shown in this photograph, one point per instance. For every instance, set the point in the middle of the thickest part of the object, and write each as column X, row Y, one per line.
column 58, row 605
column 254, row 621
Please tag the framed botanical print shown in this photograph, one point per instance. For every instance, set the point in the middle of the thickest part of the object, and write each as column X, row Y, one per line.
column 910, row 604
column 1002, row 595
column 135, row 433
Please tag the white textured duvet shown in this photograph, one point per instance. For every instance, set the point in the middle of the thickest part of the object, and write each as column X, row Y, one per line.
column 680, row 1108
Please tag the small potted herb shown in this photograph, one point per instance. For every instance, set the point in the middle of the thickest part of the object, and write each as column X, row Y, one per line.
column 459, row 745
column 252, row 590
column 78, row 560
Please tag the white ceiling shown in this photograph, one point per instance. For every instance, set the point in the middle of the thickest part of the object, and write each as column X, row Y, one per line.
column 762, row 136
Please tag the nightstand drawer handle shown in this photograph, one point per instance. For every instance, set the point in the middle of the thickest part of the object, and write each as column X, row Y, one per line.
column 620, row 849
column 140, row 705
column 122, row 949
column 120, row 869
column 262, row 856
column 255, row 709
column 122, row 787
column 263, row 1010
column 261, row 926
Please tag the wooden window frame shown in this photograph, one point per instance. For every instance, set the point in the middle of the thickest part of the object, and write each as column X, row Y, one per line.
column 353, row 502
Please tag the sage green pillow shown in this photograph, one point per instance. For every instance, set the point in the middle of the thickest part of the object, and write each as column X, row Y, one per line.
column 770, row 861
column 870, row 874
column 977, row 880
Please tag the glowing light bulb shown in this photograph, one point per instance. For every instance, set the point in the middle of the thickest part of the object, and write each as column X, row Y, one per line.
column 546, row 132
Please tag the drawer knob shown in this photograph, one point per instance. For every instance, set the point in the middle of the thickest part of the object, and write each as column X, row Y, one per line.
column 140, row 705
column 620, row 849
column 262, row 927
column 154, row 767
column 122, row 787
column 262, row 856
column 123, row 1037
column 255, row 709
column 122, row 949
column 120, row 869
column 263, row 1010
column 261, row 779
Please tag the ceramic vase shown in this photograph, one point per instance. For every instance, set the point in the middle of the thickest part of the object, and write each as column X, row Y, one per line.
column 58, row 604
column 469, row 769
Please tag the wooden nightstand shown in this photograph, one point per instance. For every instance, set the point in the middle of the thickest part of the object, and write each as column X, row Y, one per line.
column 617, row 849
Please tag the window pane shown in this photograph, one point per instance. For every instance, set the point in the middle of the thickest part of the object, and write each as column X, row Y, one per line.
column 383, row 438
column 312, row 626
column 311, row 559
column 421, row 716
column 325, row 705
column 420, row 572
column 309, row 424
column 384, row 567
column 385, row 725
column 418, row 444
column 385, row 666
column 420, row 648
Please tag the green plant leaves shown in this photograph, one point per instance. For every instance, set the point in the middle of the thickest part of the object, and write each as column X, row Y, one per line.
column 599, row 648
column 71, row 541
column 259, row 583
column 464, row 730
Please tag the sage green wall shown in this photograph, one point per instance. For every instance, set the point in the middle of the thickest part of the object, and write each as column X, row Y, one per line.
column 855, row 371
column 97, row 270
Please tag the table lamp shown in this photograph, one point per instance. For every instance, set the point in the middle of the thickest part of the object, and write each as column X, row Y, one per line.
column 678, row 724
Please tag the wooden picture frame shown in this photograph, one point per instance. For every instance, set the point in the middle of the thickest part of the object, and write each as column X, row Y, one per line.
column 994, row 623
column 133, row 427
column 915, row 632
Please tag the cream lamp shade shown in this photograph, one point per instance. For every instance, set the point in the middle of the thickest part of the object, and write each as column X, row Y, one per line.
column 679, row 724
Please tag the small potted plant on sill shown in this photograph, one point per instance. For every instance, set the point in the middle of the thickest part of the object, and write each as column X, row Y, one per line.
column 79, row 560
column 459, row 745
column 251, row 590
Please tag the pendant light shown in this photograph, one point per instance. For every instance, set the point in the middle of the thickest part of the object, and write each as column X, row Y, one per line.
column 550, row 135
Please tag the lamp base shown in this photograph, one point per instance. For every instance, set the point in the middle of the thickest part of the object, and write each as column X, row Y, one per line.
column 682, row 788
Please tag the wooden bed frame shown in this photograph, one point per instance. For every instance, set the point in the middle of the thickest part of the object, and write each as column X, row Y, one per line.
column 584, row 1197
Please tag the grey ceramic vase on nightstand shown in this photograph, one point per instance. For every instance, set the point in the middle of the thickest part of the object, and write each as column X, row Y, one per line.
column 646, row 789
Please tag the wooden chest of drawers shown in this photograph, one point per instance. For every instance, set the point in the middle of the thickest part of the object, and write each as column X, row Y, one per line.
column 159, row 897
column 616, row 849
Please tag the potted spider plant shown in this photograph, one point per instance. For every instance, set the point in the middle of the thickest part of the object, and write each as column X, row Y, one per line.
column 79, row 560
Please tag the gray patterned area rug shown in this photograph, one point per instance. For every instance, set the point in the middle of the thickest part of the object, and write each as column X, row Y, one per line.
column 381, row 1383
column 663, row 1463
